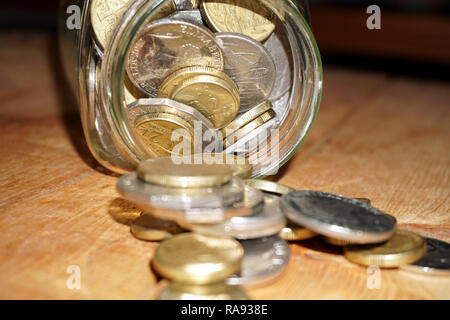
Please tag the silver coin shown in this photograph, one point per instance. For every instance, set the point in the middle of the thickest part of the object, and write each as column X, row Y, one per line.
column 142, row 107
column 183, row 4
column 264, row 260
column 194, row 205
column 250, row 66
column 436, row 260
column 263, row 222
column 189, row 15
column 279, row 48
column 168, row 45
column 338, row 217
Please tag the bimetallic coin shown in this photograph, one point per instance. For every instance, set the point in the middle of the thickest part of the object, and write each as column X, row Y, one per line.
column 167, row 45
column 250, row 18
column 142, row 107
column 163, row 171
column 250, row 66
column 215, row 291
column 404, row 247
column 264, row 260
column 188, row 15
column 197, row 259
column 156, row 130
column 246, row 117
column 263, row 222
column 150, row 228
column 436, row 260
column 249, row 128
column 338, row 217
column 216, row 98
column 105, row 15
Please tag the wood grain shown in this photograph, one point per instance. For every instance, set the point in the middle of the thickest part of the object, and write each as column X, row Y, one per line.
column 379, row 137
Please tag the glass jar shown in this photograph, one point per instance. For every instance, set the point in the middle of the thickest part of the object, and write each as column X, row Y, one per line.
column 98, row 74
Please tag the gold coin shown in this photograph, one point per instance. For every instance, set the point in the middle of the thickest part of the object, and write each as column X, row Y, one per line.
column 403, row 248
column 294, row 232
column 163, row 171
column 250, row 18
column 156, row 129
column 336, row 242
column 150, row 228
column 246, row 117
column 240, row 167
column 268, row 186
column 198, row 259
column 248, row 128
column 215, row 98
column 365, row 200
column 171, row 82
column 215, row 291
column 166, row 45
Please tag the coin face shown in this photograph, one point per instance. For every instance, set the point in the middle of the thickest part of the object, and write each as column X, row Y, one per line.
column 163, row 171
column 215, row 98
column 250, row 18
column 150, row 228
column 156, row 130
column 263, row 222
column 250, row 66
column 105, row 14
column 216, row 291
column 436, row 260
column 194, row 16
column 404, row 247
column 167, row 45
column 338, row 217
column 264, row 260
column 197, row 259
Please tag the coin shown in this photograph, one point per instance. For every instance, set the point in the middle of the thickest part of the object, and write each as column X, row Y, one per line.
column 215, row 291
column 365, row 200
column 280, row 50
column 263, row 222
column 167, row 45
column 214, row 97
column 185, row 4
column 190, row 15
column 248, row 128
column 250, row 66
column 240, row 167
column 150, row 228
column 295, row 232
column 264, row 260
column 436, row 260
column 104, row 17
column 404, row 247
column 269, row 186
column 142, row 107
column 163, row 171
column 336, row 242
column 250, row 18
column 197, row 259
column 172, row 81
column 338, row 217
column 156, row 130
column 194, row 205
column 246, row 117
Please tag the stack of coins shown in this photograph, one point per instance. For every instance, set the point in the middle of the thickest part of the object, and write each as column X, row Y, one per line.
column 213, row 60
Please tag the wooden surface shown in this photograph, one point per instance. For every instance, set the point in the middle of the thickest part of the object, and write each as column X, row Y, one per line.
column 380, row 137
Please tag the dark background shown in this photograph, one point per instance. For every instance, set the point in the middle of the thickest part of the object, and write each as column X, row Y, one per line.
column 414, row 39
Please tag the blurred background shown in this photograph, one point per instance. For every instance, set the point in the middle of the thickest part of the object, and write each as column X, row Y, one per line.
column 414, row 38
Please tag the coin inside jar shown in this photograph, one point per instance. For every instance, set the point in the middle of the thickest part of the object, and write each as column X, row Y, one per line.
column 163, row 171
column 150, row 228
column 250, row 18
column 167, row 45
column 249, row 65
column 403, row 248
column 197, row 259
column 215, row 291
column 338, row 217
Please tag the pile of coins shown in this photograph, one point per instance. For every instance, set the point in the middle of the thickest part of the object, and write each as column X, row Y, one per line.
column 218, row 63
column 221, row 231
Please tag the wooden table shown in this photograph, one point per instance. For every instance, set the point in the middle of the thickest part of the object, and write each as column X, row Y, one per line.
column 376, row 136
